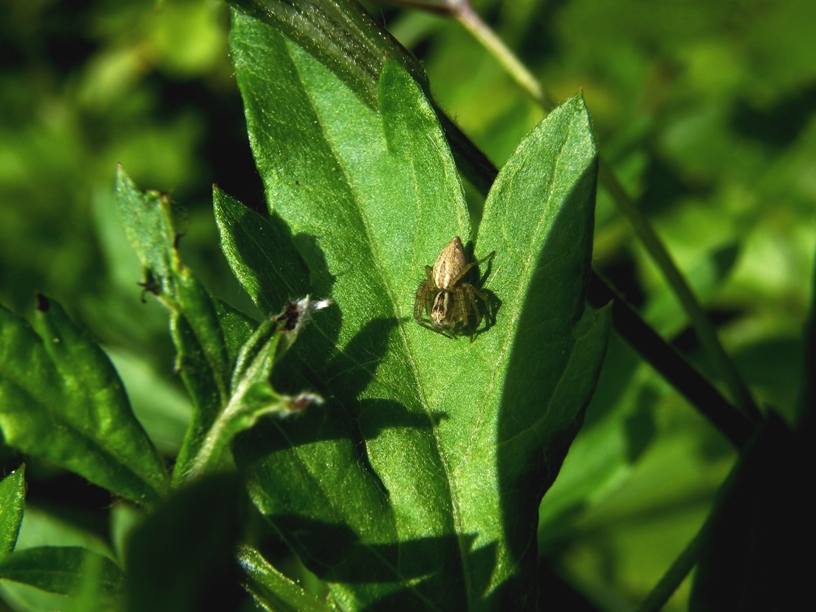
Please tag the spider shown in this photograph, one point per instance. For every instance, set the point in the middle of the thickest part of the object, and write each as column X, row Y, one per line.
column 446, row 298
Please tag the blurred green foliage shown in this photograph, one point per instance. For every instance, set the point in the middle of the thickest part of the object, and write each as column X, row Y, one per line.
column 706, row 111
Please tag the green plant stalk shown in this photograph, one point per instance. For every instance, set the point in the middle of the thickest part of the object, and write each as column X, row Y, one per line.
column 470, row 20
column 211, row 453
column 673, row 577
column 251, row 394
column 741, row 396
column 242, row 410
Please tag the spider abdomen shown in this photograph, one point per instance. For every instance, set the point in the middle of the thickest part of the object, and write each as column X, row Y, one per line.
column 449, row 265
column 450, row 302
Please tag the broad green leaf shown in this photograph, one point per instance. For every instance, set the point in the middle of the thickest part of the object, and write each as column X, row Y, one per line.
column 419, row 483
column 60, row 569
column 271, row 589
column 206, row 332
column 60, row 398
column 12, row 504
column 602, row 454
column 162, row 408
column 353, row 46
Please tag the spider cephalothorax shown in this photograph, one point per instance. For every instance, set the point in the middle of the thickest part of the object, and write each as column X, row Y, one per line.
column 446, row 298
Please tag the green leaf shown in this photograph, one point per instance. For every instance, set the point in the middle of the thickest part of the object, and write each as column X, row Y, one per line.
column 271, row 589
column 60, row 569
column 60, row 398
column 206, row 332
column 419, row 483
column 353, row 46
column 12, row 504
column 262, row 252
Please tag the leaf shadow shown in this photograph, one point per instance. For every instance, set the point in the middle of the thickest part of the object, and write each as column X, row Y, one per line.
column 341, row 379
column 412, row 574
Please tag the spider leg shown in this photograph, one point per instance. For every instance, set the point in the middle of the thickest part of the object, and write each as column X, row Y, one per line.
column 472, row 306
column 463, row 305
column 466, row 305
column 484, row 299
column 421, row 301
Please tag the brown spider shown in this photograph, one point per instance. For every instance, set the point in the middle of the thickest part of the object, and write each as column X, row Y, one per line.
column 446, row 298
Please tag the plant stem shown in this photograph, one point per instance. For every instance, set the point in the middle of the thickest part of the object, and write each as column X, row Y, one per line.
column 671, row 365
column 673, row 577
column 463, row 12
column 471, row 21
column 706, row 334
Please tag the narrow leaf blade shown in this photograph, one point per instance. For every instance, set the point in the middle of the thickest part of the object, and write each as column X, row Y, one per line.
column 271, row 588
column 207, row 333
column 59, row 569
column 62, row 399
column 12, row 504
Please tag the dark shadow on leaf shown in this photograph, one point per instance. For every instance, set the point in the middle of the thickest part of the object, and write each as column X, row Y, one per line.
column 336, row 554
column 341, row 380
column 321, row 280
column 616, row 375
column 379, row 414
column 351, row 370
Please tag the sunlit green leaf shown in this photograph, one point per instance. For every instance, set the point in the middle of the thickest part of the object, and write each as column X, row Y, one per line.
column 61, row 398
column 60, row 569
column 341, row 34
column 419, row 482
column 12, row 503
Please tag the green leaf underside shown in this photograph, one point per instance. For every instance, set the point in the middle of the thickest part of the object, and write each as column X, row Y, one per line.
column 60, row 569
column 61, row 398
column 12, row 504
column 419, row 482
